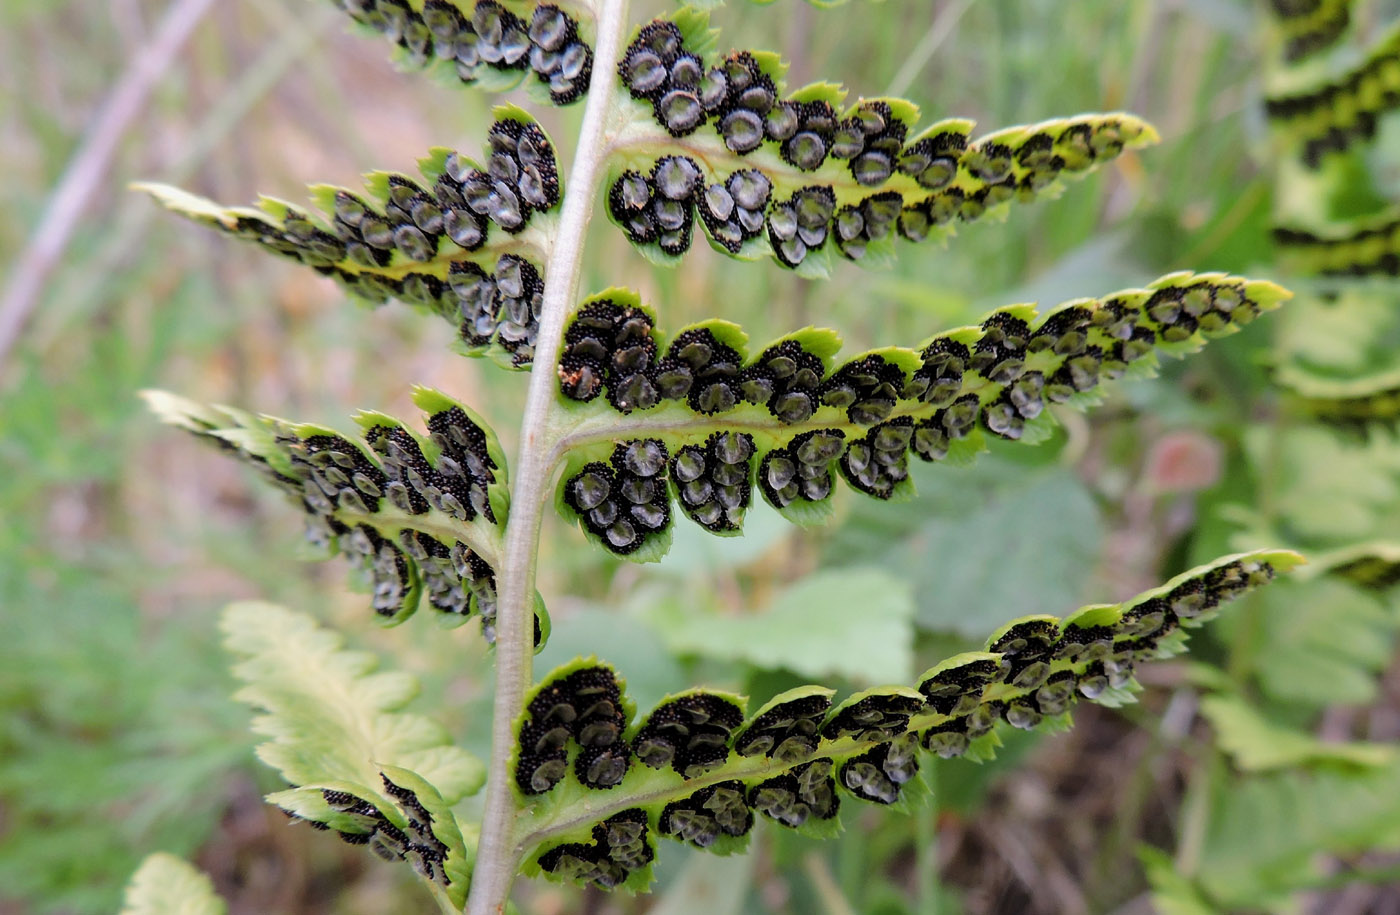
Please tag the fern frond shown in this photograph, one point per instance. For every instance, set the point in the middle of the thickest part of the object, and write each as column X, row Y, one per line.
column 1374, row 565
column 422, row 517
column 489, row 44
column 1363, row 247
column 803, row 175
column 1355, row 403
column 1309, row 26
column 702, row 420
column 466, row 242
column 1342, row 111
column 597, row 787
column 167, row 885
column 358, row 764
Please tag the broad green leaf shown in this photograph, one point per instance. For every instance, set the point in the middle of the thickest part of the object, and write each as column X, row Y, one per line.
column 1271, row 835
column 1256, row 744
column 1337, row 485
column 597, row 783
column 1172, row 892
column 166, row 885
column 1326, row 643
column 329, row 716
column 693, row 425
column 968, row 529
column 853, row 623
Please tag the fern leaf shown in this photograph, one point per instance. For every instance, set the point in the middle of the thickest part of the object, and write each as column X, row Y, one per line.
column 492, row 45
column 1310, row 26
column 421, row 517
column 464, row 241
column 359, row 765
column 702, row 421
column 1355, row 403
column 1363, row 247
column 597, row 786
column 806, row 175
column 1338, row 113
column 1257, row 744
column 166, row 885
column 1374, row 565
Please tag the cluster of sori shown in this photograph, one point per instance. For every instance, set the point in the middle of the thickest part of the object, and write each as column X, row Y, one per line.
column 621, row 845
column 406, row 240
column 790, row 760
column 1368, row 250
column 997, row 377
column 410, row 223
column 583, row 705
column 415, row 843
column 466, row 37
column 1343, row 110
column 502, row 306
column 365, row 503
column 1309, row 26
column 886, row 179
column 625, row 502
column 712, row 480
column 660, row 208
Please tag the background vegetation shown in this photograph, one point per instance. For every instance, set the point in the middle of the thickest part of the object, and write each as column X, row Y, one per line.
column 119, row 539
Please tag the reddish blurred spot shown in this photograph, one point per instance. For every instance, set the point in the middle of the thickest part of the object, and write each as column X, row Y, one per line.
column 1184, row 461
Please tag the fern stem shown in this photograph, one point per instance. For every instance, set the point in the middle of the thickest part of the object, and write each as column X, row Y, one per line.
column 497, row 860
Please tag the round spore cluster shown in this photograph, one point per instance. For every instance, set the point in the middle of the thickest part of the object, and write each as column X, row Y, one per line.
column 867, row 388
column 878, row 461
column 714, row 482
column 879, row 774
column 872, row 220
column 799, row 225
column 657, row 69
column 625, row 502
column 801, row 470
column 787, row 730
column 786, row 379
column 690, row 734
column 805, row 793
column 467, row 37
column 610, row 347
column 658, row 208
column 707, row 815
column 502, row 306
column 881, row 714
column 585, row 707
column 621, row 844
column 712, row 367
